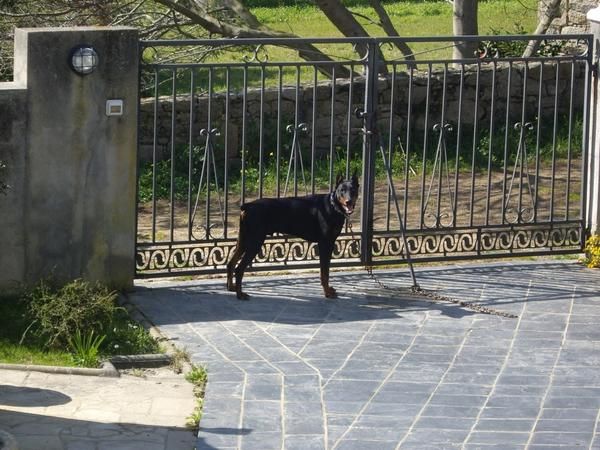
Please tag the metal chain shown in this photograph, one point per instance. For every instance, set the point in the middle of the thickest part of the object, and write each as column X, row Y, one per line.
column 433, row 296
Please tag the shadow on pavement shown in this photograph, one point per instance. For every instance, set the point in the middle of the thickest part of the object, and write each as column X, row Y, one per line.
column 298, row 299
column 28, row 396
column 38, row 431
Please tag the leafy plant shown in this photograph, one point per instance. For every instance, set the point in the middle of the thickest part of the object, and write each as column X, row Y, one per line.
column 126, row 337
column 59, row 312
column 85, row 348
column 592, row 252
column 33, row 333
column 509, row 48
column 198, row 377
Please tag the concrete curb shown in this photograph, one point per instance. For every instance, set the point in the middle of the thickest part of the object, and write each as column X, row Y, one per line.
column 137, row 315
column 141, row 361
column 107, row 369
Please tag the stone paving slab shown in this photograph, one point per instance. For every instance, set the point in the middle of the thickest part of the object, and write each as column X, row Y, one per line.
column 73, row 412
column 379, row 370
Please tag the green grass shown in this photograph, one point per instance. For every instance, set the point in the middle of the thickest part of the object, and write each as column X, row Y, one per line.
column 14, row 320
column 25, row 339
column 12, row 353
column 411, row 19
column 427, row 18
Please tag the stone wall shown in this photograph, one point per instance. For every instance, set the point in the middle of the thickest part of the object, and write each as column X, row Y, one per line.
column 421, row 103
column 572, row 17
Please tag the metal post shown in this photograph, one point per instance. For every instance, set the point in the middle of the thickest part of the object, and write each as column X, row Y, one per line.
column 592, row 170
column 369, row 148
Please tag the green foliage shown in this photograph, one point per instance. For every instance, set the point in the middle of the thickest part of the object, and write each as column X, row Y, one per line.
column 198, row 377
column 516, row 48
column 592, row 252
column 85, row 348
column 323, row 167
column 14, row 319
column 180, row 172
column 58, row 312
column 77, row 323
column 126, row 337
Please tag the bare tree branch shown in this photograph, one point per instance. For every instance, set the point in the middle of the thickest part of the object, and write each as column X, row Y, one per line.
column 390, row 30
column 213, row 25
column 243, row 13
column 551, row 11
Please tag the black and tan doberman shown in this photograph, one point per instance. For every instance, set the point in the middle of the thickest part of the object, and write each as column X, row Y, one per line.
column 316, row 218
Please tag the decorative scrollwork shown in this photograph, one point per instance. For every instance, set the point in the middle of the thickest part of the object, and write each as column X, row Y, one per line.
column 150, row 55
column 210, row 255
column 207, row 230
column 583, row 45
column 433, row 215
column 520, row 213
column 296, row 161
column 256, row 55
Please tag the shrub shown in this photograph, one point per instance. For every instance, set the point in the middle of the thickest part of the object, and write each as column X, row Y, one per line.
column 592, row 252
column 60, row 312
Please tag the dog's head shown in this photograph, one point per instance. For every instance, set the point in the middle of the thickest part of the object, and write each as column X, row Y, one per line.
column 346, row 193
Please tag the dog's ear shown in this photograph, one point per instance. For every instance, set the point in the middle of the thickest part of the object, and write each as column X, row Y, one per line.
column 339, row 179
column 355, row 178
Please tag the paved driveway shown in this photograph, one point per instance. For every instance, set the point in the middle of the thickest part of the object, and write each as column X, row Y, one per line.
column 370, row 370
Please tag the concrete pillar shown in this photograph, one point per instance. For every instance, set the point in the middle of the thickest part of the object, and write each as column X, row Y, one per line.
column 78, row 183
column 593, row 169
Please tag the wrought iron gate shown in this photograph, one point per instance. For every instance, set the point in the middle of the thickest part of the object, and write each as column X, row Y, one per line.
column 486, row 154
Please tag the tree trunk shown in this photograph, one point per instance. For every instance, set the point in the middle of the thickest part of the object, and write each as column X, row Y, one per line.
column 344, row 21
column 551, row 10
column 465, row 24
column 390, row 30
column 212, row 24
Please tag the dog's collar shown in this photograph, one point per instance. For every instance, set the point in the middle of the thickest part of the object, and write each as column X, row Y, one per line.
column 336, row 206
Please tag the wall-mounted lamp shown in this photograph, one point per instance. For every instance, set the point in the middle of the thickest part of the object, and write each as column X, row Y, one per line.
column 83, row 59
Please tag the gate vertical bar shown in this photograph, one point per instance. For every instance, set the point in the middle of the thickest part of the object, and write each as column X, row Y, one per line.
column 369, row 147
column 591, row 160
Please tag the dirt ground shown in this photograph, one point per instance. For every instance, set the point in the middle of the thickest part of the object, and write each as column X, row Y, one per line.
column 427, row 203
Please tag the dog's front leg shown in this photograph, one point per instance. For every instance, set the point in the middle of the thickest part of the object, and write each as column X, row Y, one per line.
column 325, row 251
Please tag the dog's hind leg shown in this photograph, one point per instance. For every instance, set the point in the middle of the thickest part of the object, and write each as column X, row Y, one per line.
column 235, row 257
column 249, row 254
column 237, row 253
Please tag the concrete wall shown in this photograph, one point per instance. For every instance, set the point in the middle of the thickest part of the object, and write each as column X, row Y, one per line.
column 13, row 122
column 71, row 208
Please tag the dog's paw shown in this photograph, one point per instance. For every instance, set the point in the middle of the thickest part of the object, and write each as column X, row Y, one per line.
column 243, row 296
column 330, row 292
column 231, row 287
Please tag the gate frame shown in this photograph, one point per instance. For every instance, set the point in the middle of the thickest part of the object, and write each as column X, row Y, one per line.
column 369, row 150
